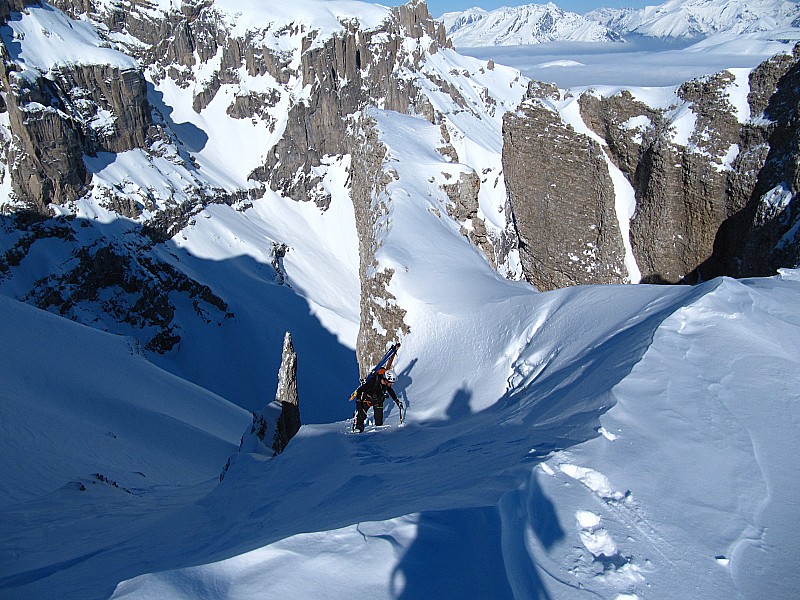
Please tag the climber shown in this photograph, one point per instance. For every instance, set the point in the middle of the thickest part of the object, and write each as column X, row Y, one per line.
column 372, row 393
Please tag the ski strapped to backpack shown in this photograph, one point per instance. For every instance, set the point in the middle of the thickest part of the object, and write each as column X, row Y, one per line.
column 383, row 365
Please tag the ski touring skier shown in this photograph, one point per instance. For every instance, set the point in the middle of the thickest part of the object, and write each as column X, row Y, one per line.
column 373, row 391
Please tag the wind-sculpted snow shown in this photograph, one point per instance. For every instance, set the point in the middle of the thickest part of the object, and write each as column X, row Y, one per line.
column 660, row 501
column 692, row 389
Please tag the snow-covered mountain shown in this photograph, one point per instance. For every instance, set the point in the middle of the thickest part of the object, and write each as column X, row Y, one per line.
column 528, row 24
column 184, row 183
column 644, row 443
column 537, row 23
column 701, row 18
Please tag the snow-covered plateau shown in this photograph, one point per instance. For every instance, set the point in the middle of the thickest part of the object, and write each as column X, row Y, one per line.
column 625, row 442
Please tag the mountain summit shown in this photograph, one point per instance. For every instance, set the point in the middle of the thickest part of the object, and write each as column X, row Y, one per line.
column 701, row 18
column 538, row 23
column 518, row 25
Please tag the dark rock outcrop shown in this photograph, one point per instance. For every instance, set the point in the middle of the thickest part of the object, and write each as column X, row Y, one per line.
column 720, row 202
column 382, row 319
column 9, row 6
column 562, row 198
column 275, row 425
column 764, row 234
column 58, row 117
column 56, row 120
column 125, row 284
column 288, row 422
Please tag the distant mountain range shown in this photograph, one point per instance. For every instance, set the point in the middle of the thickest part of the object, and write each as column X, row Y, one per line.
column 518, row 25
column 537, row 23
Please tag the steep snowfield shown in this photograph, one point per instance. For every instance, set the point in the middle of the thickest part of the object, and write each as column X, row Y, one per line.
column 76, row 401
column 618, row 442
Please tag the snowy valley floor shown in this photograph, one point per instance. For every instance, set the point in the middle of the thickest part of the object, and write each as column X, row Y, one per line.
column 646, row 451
column 640, row 62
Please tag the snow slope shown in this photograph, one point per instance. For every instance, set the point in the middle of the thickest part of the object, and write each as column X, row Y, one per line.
column 644, row 447
column 77, row 402
column 604, row 441
column 625, row 441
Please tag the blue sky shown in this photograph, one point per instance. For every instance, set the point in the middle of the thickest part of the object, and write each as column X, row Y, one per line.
column 438, row 7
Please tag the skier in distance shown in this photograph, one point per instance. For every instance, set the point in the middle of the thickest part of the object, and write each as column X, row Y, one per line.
column 372, row 393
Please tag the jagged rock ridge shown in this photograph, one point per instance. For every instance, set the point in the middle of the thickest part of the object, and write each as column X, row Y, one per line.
column 340, row 74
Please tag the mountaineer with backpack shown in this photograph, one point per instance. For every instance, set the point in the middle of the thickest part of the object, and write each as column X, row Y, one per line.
column 372, row 393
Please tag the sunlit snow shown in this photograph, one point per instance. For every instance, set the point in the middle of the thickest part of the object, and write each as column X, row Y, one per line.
column 621, row 442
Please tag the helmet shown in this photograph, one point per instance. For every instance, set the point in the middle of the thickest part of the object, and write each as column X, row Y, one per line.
column 390, row 376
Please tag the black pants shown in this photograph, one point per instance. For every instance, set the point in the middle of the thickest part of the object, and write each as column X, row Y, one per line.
column 362, row 406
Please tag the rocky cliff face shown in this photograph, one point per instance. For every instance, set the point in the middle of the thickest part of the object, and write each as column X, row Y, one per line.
column 346, row 74
column 382, row 320
column 59, row 117
column 764, row 234
column 682, row 194
column 713, row 192
column 562, row 198
column 342, row 74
